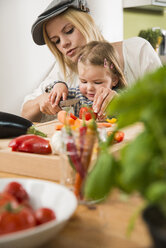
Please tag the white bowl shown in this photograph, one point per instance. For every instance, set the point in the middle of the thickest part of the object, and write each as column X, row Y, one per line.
column 42, row 194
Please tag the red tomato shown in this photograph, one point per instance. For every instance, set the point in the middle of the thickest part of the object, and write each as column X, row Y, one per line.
column 119, row 136
column 16, row 220
column 17, row 190
column 6, row 198
column 44, row 215
column 87, row 113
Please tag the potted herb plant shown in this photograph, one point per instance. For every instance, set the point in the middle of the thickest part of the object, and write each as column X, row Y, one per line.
column 141, row 166
column 153, row 36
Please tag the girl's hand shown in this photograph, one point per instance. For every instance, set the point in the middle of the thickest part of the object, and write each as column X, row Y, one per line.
column 102, row 98
column 45, row 105
column 59, row 91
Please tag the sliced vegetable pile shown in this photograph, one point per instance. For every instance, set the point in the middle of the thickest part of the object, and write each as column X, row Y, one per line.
column 86, row 113
column 71, row 120
column 16, row 212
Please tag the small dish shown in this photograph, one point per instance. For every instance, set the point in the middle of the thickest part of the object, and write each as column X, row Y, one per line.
column 42, row 194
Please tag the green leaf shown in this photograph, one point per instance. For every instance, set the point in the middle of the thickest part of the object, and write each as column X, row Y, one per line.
column 134, row 218
column 136, row 165
column 102, row 177
column 156, row 192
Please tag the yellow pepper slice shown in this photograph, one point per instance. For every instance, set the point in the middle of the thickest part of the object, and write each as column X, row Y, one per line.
column 112, row 120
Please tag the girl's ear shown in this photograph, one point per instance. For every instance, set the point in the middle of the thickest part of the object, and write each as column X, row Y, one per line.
column 115, row 80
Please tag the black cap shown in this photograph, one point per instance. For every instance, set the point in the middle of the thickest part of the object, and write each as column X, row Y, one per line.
column 55, row 8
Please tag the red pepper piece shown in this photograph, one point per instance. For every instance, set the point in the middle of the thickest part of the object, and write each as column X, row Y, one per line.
column 36, row 145
column 73, row 116
column 87, row 113
column 83, row 131
column 74, row 157
column 16, row 142
column 33, row 144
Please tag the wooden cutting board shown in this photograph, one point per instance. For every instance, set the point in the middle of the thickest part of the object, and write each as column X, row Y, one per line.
column 50, row 166
column 28, row 164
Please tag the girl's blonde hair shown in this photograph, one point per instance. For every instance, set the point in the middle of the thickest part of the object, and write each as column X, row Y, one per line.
column 85, row 24
column 102, row 53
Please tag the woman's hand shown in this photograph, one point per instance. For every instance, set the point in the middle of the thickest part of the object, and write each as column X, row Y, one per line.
column 102, row 98
column 45, row 105
column 59, row 91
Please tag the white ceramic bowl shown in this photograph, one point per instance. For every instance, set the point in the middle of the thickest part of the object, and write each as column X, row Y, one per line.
column 42, row 194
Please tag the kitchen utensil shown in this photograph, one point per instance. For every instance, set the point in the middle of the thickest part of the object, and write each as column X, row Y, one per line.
column 68, row 102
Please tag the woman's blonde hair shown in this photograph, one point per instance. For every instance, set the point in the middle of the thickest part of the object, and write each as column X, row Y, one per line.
column 85, row 24
column 102, row 53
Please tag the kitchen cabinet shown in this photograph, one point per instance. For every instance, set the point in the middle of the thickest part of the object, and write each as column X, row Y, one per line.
column 146, row 4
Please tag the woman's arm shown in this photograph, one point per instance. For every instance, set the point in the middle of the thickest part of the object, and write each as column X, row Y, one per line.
column 33, row 109
column 37, row 103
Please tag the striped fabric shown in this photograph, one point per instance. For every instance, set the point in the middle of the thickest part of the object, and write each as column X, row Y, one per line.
column 75, row 93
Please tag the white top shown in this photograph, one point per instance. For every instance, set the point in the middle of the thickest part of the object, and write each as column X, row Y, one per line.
column 139, row 58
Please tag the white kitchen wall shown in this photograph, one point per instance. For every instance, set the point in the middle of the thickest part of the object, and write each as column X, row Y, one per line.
column 22, row 63
column 108, row 14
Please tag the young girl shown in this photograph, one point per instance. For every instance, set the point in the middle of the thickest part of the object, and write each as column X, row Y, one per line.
column 100, row 77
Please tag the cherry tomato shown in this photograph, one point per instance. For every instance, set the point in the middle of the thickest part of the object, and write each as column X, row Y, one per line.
column 87, row 113
column 17, row 190
column 16, row 220
column 44, row 215
column 119, row 136
column 6, row 198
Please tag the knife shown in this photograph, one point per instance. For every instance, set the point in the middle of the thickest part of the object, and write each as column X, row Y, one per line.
column 68, row 102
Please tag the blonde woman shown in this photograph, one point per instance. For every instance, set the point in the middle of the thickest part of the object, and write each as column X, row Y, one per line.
column 65, row 26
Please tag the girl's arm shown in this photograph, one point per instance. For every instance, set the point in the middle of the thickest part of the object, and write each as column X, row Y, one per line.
column 58, row 92
column 101, row 100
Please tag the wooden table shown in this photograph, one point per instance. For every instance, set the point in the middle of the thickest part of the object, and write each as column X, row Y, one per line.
column 103, row 225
